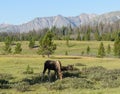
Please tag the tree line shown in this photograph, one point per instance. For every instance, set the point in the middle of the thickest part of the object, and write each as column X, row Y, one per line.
column 47, row 46
column 100, row 32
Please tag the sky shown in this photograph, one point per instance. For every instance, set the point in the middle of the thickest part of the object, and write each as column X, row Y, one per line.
column 22, row 11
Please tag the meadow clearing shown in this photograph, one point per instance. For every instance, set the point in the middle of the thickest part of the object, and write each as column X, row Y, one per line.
column 13, row 70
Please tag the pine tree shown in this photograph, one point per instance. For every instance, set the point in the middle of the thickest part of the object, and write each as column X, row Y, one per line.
column 66, row 52
column 78, row 36
column 47, row 46
column 117, row 45
column 67, row 40
column 109, row 49
column 101, row 50
column 87, row 35
column 97, row 35
column 31, row 43
column 7, row 47
column 18, row 48
column 88, row 50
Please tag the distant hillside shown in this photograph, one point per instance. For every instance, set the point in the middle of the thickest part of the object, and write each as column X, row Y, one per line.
column 59, row 21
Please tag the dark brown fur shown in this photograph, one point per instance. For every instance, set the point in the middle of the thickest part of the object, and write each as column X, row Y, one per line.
column 53, row 65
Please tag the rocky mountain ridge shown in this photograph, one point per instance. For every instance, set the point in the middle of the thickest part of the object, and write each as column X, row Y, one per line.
column 59, row 21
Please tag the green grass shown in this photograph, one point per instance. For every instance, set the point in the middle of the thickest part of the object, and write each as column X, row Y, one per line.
column 16, row 66
column 41, row 90
column 75, row 48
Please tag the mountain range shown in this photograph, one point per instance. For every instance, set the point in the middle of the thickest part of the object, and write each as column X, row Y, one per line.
column 59, row 21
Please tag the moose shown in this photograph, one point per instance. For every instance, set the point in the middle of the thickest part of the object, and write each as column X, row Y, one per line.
column 57, row 67
column 52, row 65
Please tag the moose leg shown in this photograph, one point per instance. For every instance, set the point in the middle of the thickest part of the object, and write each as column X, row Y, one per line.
column 49, row 74
column 56, row 75
column 43, row 74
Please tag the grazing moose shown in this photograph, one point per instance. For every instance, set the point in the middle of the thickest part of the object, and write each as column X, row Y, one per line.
column 53, row 65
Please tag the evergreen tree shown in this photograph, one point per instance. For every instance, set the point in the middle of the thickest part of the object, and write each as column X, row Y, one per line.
column 63, row 29
column 117, row 45
column 8, row 41
column 88, row 50
column 18, row 48
column 82, row 53
column 109, row 49
column 7, row 47
column 47, row 46
column 67, row 40
column 97, row 35
column 66, row 52
column 31, row 43
column 87, row 35
column 108, row 36
column 83, row 38
column 101, row 50
column 78, row 36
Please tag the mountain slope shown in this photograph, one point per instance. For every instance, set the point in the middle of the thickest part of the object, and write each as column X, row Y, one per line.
column 59, row 21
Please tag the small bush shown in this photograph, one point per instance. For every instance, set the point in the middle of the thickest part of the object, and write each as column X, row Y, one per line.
column 4, row 84
column 106, row 78
column 6, row 76
column 94, row 73
column 71, row 74
column 4, row 81
column 82, row 53
column 29, row 70
column 22, row 86
column 66, row 52
column 111, row 83
column 72, row 83
column 18, row 48
column 32, row 80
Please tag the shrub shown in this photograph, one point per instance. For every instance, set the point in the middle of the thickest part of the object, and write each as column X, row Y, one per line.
column 18, row 48
column 111, row 83
column 32, row 80
column 88, row 78
column 6, row 76
column 4, row 81
column 72, row 83
column 82, row 53
column 101, row 50
column 4, row 84
column 22, row 86
column 71, row 73
column 106, row 78
column 66, row 53
column 29, row 70
column 94, row 73
column 31, row 43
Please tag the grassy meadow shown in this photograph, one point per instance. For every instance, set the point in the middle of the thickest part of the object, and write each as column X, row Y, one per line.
column 13, row 68
column 75, row 48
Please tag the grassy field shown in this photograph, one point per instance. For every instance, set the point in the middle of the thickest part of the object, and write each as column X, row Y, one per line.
column 15, row 67
column 75, row 48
